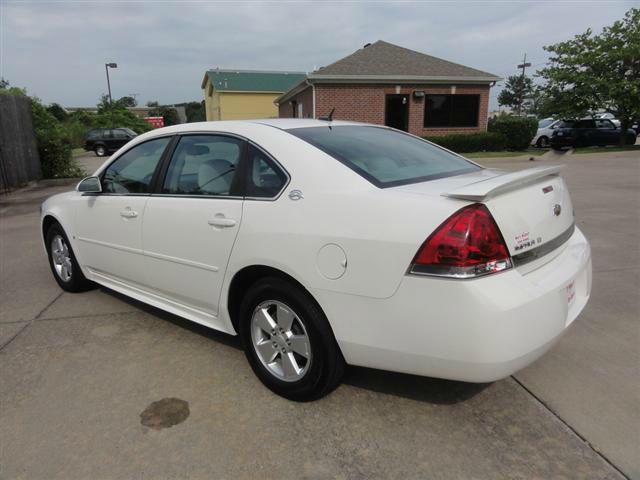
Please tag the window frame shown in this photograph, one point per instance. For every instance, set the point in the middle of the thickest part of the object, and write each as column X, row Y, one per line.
column 154, row 178
column 426, row 110
column 273, row 164
column 239, row 186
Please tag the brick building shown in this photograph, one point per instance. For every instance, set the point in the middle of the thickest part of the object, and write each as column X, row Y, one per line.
column 390, row 85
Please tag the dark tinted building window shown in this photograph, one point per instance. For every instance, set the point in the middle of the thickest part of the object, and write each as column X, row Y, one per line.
column 451, row 110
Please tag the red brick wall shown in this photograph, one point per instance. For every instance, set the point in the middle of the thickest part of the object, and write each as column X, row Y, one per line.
column 306, row 97
column 366, row 103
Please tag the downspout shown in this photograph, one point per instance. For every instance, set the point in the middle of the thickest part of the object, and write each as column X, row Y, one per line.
column 313, row 96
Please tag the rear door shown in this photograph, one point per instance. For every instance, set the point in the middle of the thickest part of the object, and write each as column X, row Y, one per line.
column 120, row 138
column 607, row 132
column 192, row 221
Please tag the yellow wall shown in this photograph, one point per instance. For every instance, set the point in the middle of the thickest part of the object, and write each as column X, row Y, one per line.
column 238, row 105
column 211, row 103
column 245, row 105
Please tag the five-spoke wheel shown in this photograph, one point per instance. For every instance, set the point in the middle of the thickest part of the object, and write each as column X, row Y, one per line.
column 288, row 340
column 280, row 340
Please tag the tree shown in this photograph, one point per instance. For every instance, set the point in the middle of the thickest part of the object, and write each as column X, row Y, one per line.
column 516, row 92
column 127, row 101
column 195, row 112
column 591, row 72
column 7, row 89
column 169, row 114
column 57, row 111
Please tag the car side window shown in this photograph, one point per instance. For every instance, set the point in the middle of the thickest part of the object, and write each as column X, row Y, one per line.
column 119, row 134
column 203, row 165
column 604, row 123
column 265, row 178
column 132, row 172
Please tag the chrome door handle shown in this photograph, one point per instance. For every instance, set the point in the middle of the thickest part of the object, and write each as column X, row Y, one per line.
column 128, row 213
column 222, row 222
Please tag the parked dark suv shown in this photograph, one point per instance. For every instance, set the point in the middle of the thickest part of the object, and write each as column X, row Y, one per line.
column 589, row 132
column 104, row 141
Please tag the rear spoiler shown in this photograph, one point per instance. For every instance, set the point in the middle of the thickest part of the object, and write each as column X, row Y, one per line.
column 483, row 189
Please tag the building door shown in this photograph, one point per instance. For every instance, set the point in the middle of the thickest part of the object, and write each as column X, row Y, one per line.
column 397, row 112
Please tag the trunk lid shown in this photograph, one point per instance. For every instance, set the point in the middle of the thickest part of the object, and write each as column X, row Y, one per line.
column 531, row 207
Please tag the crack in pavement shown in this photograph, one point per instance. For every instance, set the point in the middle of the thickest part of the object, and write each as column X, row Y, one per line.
column 547, row 407
column 29, row 322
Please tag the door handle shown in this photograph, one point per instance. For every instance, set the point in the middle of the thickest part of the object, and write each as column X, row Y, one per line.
column 222, row 222
column 128, row 213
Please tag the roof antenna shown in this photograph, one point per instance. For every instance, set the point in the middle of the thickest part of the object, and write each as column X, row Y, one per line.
column 328, row 118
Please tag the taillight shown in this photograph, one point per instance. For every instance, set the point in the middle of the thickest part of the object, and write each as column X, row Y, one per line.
column 468, row 244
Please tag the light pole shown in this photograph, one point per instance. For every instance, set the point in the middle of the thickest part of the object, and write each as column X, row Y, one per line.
column 107, row 66
column 523, row 66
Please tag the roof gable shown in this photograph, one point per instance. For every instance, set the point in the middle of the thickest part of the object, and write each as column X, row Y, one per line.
column 384, row 59
column 252, row 80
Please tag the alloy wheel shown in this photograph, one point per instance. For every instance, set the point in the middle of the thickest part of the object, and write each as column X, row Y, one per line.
column 280, row 341
column 61, row 258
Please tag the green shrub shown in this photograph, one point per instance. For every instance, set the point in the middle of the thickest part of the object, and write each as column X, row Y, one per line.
column 472, row 142
column 518, row 131
column 54, row 146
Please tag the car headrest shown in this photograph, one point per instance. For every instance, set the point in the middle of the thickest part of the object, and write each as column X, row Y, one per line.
column 197, row 150
column 211, row 175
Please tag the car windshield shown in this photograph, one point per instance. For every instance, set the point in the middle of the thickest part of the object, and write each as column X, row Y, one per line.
column 385, row 157
column 545, row 123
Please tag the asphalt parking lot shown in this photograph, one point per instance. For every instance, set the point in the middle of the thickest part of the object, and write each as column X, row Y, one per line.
column 77, row 371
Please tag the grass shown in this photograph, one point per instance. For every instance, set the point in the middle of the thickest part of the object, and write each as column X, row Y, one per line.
column 615, row 148
column 531, row 152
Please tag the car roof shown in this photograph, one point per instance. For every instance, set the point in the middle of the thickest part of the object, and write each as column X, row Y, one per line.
column 280, row 123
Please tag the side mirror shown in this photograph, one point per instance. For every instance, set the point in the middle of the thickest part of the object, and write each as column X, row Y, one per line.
column 89, row 185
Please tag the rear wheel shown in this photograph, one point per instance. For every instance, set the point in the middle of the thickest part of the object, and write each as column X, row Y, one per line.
column 101, row 151
column 288, row 341
column 63, row 263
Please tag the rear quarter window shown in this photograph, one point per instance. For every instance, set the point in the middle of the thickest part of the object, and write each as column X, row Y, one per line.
column 385, row 157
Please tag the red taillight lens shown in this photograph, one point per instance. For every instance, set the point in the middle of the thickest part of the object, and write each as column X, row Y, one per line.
column 467, row 244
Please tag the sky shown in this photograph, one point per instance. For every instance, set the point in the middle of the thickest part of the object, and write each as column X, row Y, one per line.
column 57, row 49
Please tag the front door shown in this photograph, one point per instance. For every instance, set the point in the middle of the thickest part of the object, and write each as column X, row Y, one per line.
column 191, row 224
column 109, row 224
column 397, row 112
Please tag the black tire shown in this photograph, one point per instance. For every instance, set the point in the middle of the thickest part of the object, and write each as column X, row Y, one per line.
column 326, row 365
column 100, row 150
column 543, row 142
column 76, row 282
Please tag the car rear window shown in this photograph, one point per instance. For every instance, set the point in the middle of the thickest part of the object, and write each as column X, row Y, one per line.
column 385, row 157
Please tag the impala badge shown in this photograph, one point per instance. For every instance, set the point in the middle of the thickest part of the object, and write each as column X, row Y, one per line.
column 547, row 189
column 557, row 209
column 296, row 195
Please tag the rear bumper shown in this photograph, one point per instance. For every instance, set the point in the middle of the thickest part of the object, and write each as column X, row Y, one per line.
column 471, row 330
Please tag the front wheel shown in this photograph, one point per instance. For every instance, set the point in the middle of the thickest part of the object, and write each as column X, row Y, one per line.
column 63, row 263
column 101, row 151
column 288, row 341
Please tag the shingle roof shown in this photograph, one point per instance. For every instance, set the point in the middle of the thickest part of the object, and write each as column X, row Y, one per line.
column 384, row 59
column 252, row 80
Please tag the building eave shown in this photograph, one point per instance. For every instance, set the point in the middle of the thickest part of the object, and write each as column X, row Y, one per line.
column 299, row 88
column 439, row 79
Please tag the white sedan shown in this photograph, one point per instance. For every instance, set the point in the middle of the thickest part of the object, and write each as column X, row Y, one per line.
column 330, row 243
